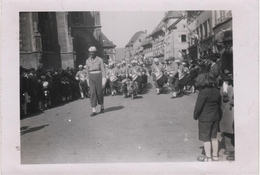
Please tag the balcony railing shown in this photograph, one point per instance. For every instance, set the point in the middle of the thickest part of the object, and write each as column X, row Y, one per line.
column 224, row 18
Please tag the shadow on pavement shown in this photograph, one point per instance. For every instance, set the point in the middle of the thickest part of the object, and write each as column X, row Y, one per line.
column 31, row 115
column 114, row 108
column 26, row 129
column 138, row 97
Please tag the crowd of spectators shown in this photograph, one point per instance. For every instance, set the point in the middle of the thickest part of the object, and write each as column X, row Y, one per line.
column 44, row 88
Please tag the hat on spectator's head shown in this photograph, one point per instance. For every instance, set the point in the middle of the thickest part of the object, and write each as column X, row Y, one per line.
column 227, row 36
column 92, row 49
column 85, row 66
column 80, row 66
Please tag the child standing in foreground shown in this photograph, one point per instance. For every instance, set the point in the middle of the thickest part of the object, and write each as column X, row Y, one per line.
column 208, row 112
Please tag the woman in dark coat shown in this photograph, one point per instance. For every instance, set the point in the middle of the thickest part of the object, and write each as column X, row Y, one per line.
column 208, row 112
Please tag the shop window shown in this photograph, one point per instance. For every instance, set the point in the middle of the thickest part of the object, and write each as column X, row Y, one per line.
column 183, row 38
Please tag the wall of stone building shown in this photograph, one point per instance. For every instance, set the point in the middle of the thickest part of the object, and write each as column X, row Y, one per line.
column 29, row 60
column 65, row 40
column 26, row 30
column 30, row 40
column 138, row 43
column 178, row 45
column 48, row 29
column 51, row 59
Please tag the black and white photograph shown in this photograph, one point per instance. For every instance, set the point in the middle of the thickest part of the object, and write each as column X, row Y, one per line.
column 135, row 87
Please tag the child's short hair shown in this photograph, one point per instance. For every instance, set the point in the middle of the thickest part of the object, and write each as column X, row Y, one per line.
column 205, row 80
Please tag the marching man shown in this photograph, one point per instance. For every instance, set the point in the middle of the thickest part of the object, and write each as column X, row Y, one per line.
column 173, row 76
column 81, row 77
column 112, row 75
column 158, row 75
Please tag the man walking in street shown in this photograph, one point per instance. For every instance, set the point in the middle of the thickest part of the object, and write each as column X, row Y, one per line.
column 96, row 78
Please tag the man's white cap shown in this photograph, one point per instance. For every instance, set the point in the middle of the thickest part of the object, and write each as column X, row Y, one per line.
column 85, row 66
column 156, row 60
column 111, row 64
column 80, row 66
column 92, row 49
column 133, row 61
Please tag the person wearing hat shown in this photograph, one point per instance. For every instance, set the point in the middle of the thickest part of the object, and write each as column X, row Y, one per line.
column 96, row 78
column 183, row 76
column 227, row 92
column 227, row 64
column 145, row 74
column 213, row 67
column 135, row 74
column 81, row 77
column 112, row 75
column 158, row 75
column 119, row 71
column 172, row 68
column 124, row 69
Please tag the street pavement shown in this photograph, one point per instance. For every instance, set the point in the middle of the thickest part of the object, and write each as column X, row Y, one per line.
column 150, row 128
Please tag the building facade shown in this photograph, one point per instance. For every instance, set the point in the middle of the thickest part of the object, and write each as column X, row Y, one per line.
column 201, row 36
column 158, row 35
column 175, row 40
column 147, row 47
column 133, row 47
column 206, row 31
column 109, row 50
column 39, row 39
column 58, row 39
column 223, row 22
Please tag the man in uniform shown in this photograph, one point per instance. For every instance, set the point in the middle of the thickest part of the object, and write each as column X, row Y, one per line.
column 135, row 73
column 96, row 78
column 173, row 76
column 81, row 77
column 158, row 75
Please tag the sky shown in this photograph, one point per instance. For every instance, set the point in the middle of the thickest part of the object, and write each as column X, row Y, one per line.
column 120, row 26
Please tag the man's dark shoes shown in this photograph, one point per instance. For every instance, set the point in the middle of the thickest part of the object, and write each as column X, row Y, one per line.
column 102, row 110
column 93, row 114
